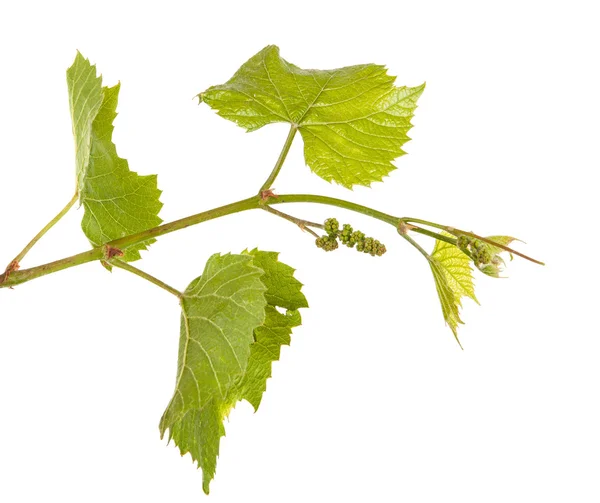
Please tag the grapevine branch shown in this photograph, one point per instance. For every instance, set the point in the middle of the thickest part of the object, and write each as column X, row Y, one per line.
column 16, row 277
column 264, row 200
column 358, row 156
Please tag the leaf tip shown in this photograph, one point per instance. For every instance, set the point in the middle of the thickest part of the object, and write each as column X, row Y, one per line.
column 458, row 341
column 79, row 55
column 80, row 58
column 454, row 329
column 270, row 48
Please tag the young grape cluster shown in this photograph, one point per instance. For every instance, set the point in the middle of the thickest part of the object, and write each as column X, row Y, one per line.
column 481, row 254
column 349, row 237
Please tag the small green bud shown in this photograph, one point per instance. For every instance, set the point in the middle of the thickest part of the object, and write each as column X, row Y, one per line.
column 463, row 242
column 356, row 237
column 491, row 270
column 327, row 243
column 331, row 244
column 380, row 250
column 332, row 227
column 368, row 244
column 477, row 245
column 484, row 256
column 346, row 234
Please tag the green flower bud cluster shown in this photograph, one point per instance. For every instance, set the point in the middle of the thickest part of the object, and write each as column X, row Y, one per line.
column 481, row 255
column 332, row 227
column 327, row 243
column 348, row 237
column 371, row 246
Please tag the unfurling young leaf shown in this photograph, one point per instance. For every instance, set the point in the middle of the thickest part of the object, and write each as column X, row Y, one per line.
column 502, row 240
column 453, row 277
column 195, row 424
column 353, row 120
column 494, row 266
column 117, row 201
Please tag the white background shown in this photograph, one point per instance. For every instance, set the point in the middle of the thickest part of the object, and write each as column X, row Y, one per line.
column 374, row 400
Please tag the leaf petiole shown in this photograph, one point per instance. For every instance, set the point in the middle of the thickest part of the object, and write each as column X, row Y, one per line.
column 138, row 272
column 281, row 159
column 14, row 264
column 417, row 246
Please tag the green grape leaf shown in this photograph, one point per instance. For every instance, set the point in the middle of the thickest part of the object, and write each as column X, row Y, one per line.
column 457, row 268
column 503, row 240
column 453, row 277
column 85, row 99
column 283, row 289
column 353, row 120
column 199, row 432
column 200, row 429
column 450, row 307
column 269, row 338
column 219, row 312
column 117, row 201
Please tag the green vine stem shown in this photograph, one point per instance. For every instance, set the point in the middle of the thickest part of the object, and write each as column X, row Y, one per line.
column 332, row 201
column 11, row 278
